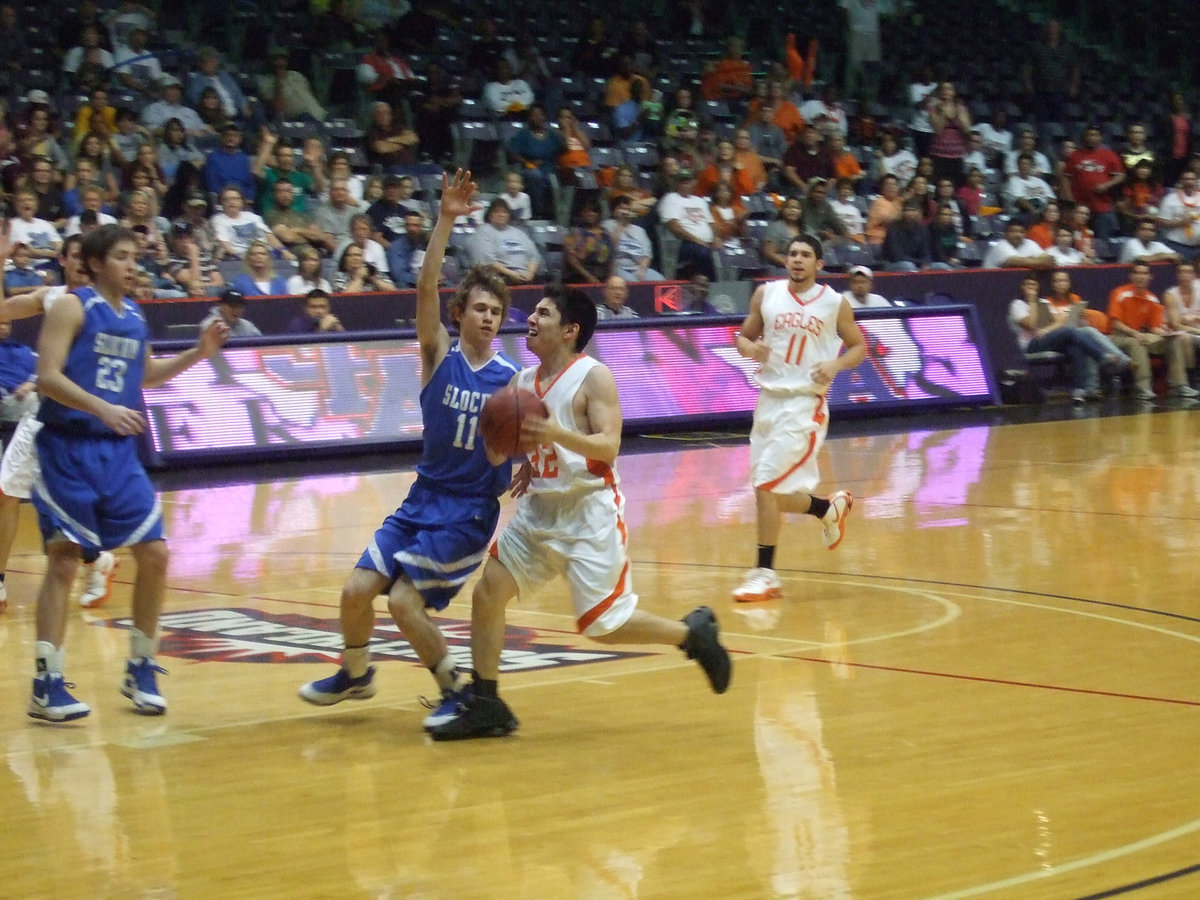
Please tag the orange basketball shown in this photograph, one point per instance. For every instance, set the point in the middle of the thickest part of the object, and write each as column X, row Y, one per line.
column 500, row 419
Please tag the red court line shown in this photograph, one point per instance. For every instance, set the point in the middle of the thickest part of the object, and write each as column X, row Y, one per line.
column 1004, row 681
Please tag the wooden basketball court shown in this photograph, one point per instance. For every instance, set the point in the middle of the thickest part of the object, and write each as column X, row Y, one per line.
column 991, row 689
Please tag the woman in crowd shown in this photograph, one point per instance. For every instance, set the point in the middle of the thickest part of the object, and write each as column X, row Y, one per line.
column 175, row 148
column 308, row 275
column 729, row 214
column 356, row 276
column 780, row 233
column 951, row 124
column 1043, row 232
column 259, row 278
column 588, row 249
column 625, row 185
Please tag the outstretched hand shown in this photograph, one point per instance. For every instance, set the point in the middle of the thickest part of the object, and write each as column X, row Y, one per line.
column 213, row 338
column 457, row 194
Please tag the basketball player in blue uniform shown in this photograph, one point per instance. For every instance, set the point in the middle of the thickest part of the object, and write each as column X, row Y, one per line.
column 424, row 552
column 92, row 492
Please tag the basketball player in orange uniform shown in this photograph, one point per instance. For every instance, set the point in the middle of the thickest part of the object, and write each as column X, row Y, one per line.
column 570, row 521
column 795, row 329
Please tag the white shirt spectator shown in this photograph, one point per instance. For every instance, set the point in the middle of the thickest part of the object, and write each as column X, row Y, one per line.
column 997, row 142
column 141, row 64
column 976, row 159
column 1002, row 251
column 158, row 113
column 1068, row 257
column 1031, row 188
column 241, row 232
column 834, row 117
column 851, row 217
column 501, row 98
column 871, row 300
column 918, row 93
column 1133, row 249
column 519, row 206
column 692, row 213
column 74, row 57
column 37, row 233
column 297, row 285
column 902, row 164
column 1041, row 165
column 72, row 226
column 1178, row 205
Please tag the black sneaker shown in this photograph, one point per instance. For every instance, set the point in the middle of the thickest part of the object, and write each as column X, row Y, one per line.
column 480, row 717
column 703, row 645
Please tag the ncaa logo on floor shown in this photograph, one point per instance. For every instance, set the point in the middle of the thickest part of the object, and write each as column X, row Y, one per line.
column 249, row 635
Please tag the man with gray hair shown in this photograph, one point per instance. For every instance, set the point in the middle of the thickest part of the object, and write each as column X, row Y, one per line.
column 334, row 216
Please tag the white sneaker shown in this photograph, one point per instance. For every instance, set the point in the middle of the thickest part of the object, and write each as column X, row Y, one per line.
column 3, row 596
column 834, row 520
column 99, row 581
column 759, row 584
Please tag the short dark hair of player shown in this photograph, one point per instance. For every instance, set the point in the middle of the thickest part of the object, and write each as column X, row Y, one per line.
column 485, row 279
column 98, row 243
column 813, row 242
column 574, row 308
column 68, row 242
column 1138, row 264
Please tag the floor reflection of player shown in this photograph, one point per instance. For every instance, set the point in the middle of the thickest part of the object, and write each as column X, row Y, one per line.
column 809, row 844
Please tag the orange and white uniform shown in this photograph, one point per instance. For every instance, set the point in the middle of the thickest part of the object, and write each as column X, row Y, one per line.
column 791, row 419
column 571, row 522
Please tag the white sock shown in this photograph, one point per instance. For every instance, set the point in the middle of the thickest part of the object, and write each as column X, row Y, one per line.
column 356, row 660
column 446, row 673
column 47, row 658
column 141, row 646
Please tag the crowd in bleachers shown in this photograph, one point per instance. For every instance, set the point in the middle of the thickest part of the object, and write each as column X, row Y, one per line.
column 642, row 149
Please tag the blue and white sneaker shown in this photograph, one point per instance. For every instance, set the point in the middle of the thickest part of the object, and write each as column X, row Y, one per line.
column 450, row 706
column 339, row 687
column 141, row 686
column 52, row 703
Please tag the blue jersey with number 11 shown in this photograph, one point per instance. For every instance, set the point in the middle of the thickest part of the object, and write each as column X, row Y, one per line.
column 107, row 359
column 453, row 455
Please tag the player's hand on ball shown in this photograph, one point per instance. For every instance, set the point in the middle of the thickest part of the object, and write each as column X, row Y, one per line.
column 522, row 476
column 536, row 431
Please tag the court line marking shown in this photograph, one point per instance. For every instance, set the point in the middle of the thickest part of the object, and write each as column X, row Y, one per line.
column 1085, row 862
column 983, row 679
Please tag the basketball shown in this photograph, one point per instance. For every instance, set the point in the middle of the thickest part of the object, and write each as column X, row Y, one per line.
column 500, row 419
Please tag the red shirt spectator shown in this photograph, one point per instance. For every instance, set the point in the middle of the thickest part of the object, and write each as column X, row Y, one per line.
column 1092, row 172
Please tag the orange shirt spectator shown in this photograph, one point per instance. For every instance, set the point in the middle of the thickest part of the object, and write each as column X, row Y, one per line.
column 845, row 165
column 1042, row 234
column 1136, row 307
column 730, row 78
column 619, row 88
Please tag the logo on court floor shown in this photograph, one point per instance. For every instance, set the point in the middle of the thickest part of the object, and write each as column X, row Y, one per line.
column 248, row 635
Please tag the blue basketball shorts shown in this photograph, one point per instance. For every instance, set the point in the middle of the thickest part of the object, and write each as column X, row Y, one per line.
column 435, row 541
column 94, row 492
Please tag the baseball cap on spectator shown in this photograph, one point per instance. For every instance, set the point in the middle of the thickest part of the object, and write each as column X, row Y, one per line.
column 169, row 81
column 861, row 270
column 197, row 198
column 683, row 175
column 230, row 126
column 40, row 97
column 232, row 297
column 392, row 181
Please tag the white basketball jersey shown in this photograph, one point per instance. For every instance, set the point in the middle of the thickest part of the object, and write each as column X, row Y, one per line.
column 557, row 469
column 801, row 330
